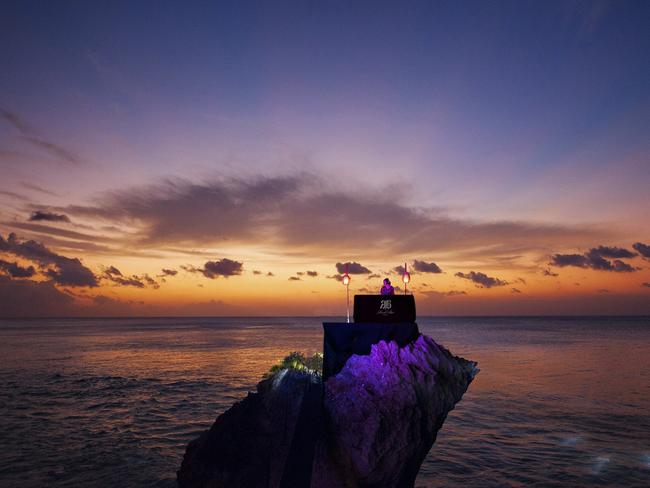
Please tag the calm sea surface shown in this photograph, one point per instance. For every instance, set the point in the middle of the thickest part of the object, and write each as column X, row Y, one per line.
column 113, row 402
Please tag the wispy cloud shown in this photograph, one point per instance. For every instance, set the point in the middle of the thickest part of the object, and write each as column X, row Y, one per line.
column 13, row 195
column 16, row 121
column 336, row 277
column 311, row 274
column 34, row 187
column 57, row 231
column 59, row 152
column 31, row 136
column 442, row 294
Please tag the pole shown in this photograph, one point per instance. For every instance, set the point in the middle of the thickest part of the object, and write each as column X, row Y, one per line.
column 347, row 292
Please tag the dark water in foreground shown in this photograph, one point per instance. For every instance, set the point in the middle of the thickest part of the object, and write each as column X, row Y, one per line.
column 558, row 402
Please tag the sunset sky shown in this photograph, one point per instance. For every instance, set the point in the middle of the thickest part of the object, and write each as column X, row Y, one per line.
column 220, row 158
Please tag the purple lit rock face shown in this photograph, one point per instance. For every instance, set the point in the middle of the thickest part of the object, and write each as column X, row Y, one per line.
column 384, row 412
column 370, row 425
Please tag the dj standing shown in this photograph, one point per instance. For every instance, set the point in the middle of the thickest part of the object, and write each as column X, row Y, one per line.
column 387, row 289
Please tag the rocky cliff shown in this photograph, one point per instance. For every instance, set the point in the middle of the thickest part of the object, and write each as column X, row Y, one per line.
column 371, row 425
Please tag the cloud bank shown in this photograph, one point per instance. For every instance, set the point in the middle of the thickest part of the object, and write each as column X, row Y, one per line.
column 595, row 259
column 301, row 212
column 62, row 270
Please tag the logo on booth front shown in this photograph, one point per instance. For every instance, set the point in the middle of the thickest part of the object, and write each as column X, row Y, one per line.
column 385, row 307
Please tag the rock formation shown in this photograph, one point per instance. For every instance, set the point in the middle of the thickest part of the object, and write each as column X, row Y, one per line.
column 371, row 425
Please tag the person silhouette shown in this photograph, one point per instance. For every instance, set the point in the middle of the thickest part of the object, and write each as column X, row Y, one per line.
column 387, row 289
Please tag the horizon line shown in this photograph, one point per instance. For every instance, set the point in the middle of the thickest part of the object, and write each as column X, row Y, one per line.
column 115, row 317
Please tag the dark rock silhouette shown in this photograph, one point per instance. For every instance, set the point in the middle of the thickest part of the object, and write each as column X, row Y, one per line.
column 371, row 425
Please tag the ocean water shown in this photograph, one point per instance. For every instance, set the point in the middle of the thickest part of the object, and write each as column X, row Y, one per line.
column 113, row 402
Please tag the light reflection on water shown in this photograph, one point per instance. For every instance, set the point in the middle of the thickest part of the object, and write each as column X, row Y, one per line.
column 558, row 402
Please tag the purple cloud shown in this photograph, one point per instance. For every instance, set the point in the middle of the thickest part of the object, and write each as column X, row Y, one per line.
column 115, row 275
column 563, row 260
column 224, row 267
column 595, row 259
column 62, row 270
column 112, row 271
column 353, row 268
column 481, row 279
column 611, row 252
column 424, row 267
column 213, row 269
column 39, row 216
column 15, row 270
column 642, row 249
column 399, row 269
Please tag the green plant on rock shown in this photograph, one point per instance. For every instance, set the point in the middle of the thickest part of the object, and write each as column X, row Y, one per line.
column 315, row 363
column 297, row 361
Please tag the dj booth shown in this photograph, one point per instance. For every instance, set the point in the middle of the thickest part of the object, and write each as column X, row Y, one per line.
column 376, row 318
